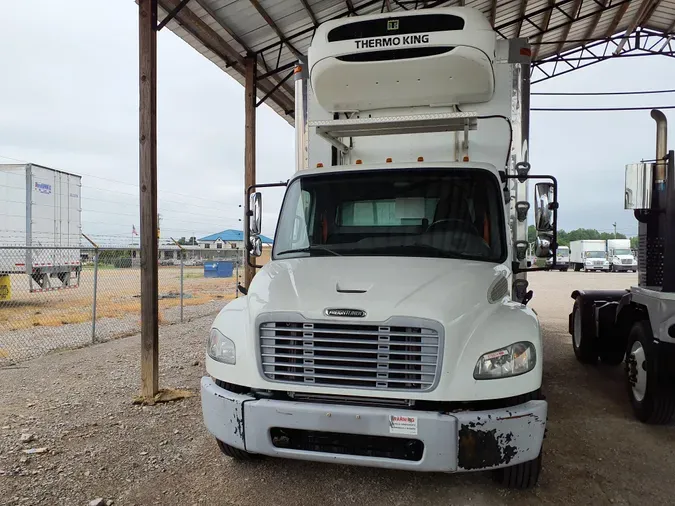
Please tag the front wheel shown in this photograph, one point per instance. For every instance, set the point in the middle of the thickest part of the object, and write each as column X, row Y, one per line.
column 652, row 401
column 236, row 453
column 520, row 476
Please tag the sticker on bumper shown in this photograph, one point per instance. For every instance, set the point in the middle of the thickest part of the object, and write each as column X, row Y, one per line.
column 403, row 425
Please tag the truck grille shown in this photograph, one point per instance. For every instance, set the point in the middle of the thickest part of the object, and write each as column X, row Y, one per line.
column 350, row 355
column 627, row 262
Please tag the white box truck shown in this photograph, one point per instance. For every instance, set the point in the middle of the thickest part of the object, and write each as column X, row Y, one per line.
column 41, row 227
column 620, row 256
column 562, row 259
column 589, row 255
column 391, row 326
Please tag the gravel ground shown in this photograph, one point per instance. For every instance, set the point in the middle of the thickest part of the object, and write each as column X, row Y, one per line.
column 77, row 404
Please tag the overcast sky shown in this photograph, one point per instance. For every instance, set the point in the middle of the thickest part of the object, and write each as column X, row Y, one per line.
column 69, row 100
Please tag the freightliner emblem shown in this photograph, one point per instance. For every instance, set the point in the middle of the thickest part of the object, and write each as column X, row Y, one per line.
column 346, row 313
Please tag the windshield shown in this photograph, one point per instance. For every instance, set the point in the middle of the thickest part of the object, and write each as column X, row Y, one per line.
column 453, row 213
column 563, row 252
column 595, row 254
column 622, row 252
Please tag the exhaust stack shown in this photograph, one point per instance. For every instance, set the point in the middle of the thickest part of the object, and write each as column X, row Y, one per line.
column 661, row 149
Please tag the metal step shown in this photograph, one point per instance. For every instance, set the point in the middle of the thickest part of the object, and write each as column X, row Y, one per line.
column 334, row 130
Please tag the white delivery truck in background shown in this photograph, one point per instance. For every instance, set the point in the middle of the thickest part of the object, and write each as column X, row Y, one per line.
column 562, row 259
column 589, row 255
column 620, row 256
column 41, row 209
column 391, row 326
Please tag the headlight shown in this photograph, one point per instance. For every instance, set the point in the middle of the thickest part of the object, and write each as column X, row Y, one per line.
column 221, row 348
column 606, row 262
column 513, row 360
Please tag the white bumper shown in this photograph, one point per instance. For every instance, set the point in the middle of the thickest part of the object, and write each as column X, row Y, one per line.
column 425, row 441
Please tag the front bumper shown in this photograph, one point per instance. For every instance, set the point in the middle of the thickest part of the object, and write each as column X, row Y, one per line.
column 452, row 442
column 596, row 267
column 623, row 267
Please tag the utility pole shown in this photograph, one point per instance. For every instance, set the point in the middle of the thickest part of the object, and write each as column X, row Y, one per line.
column 615, row 230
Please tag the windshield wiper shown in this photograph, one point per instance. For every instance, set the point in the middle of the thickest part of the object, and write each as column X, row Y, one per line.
column 309, row 249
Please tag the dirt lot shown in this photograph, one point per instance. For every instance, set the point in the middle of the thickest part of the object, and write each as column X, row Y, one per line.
column 32, row 324
column 77, row 404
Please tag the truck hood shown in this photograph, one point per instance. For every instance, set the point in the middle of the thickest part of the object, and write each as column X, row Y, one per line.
column 444, row 289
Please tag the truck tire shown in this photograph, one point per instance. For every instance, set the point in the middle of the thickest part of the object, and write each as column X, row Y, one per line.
column 652, row 401
column 584, row 340
column 520, row 476
column 236, row 453
column 577, row 267
column 564, row 269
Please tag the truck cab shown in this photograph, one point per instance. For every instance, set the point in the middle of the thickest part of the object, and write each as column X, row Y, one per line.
column 562, row 259
column 620, row 256
column 391, row 326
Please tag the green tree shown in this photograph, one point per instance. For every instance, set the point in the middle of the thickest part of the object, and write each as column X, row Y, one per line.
column 635, row 242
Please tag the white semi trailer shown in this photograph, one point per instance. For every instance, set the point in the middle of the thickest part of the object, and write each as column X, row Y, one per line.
column 41, row 225
column 391, row 326
column 637, row 325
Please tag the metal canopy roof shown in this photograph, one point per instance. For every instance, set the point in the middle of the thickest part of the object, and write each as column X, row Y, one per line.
column 565, row 34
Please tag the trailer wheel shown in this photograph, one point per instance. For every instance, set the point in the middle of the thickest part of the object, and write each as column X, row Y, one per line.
column 520, row 476
column 584, row 340
column 652, row 401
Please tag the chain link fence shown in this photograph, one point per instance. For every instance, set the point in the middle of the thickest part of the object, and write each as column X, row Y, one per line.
column 73, row 297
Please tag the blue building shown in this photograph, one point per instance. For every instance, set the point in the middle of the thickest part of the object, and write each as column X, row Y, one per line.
column 228, row 239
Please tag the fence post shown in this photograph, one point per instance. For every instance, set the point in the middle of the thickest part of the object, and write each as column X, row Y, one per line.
column 180, row 252
column 93, row 306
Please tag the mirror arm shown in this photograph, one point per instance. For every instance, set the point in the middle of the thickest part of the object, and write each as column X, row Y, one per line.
column 553, row 206
column 248, row 213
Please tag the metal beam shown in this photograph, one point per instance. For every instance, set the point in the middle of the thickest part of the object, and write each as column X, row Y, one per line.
column 310, row 12
column 519, row 25
column 147, row 48
column 210, row 38
column 274, row 27
column 596, row 19
column 247, row 49
column 172, row 14
column 611, row 29
column 597, row 51
column 547, row 21
column 493, row 12
column 644, row 8
column 249, row 143
column 566, row 31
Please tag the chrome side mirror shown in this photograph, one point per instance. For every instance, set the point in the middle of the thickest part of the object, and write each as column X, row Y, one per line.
column 255, row 208
column 543, row 245
column 255, row 246
column 543, row 213
column 638, row 194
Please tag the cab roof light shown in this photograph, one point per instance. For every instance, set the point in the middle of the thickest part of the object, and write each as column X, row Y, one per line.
column 420, row 158
column 359, row 162
column 319, row 165
column 466, row 158
column 388, row 160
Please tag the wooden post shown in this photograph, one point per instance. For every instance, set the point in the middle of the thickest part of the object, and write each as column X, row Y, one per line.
column 249, row 145
column 147, row 38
